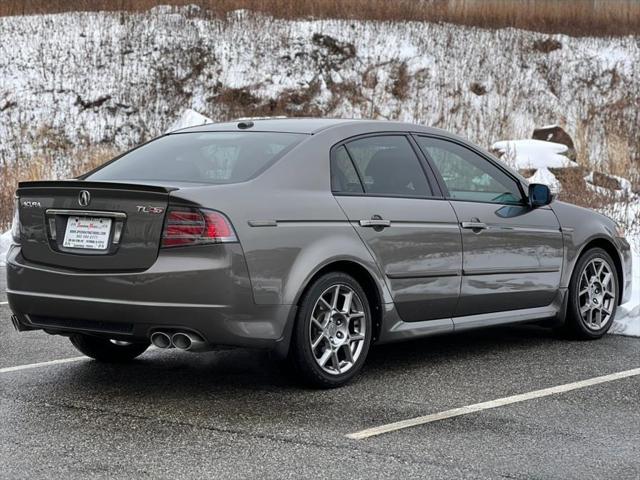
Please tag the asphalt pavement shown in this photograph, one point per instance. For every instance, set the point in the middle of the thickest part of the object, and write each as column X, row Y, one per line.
column 240, row 414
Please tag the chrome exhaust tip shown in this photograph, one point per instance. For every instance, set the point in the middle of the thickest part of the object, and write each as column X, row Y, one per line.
column 188, row 341
column 181, row 341
column 161, row 340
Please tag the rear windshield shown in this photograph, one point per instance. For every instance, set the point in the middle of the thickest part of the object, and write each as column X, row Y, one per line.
column 203, row 157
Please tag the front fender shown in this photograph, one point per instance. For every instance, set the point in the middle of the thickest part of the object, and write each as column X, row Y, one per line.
column 582, row 228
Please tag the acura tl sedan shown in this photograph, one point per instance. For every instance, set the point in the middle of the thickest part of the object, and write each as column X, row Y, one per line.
column 314, row 238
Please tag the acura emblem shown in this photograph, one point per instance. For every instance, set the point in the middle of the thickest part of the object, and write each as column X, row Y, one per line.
column 84, row 198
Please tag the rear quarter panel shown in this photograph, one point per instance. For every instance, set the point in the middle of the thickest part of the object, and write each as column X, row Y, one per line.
column 304, row 229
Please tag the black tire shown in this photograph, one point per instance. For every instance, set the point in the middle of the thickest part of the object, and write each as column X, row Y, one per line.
column 576, row 326
column 302, row 354
column 103, row 350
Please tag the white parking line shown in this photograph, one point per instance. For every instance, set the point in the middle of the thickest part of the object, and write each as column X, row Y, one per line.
column 41, row 364
column 456, row 412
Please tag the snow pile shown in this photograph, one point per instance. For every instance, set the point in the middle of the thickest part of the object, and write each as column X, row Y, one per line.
column 189, row 118
column 533, row 154
column 5, row 242
column 625, row 190
column 627, row 321
column 543, row 175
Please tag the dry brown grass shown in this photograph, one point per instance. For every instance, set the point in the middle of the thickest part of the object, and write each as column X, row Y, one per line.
column 573, row 17
column 40, row 168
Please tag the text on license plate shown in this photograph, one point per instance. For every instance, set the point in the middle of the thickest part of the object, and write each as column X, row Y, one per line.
column 87, row 232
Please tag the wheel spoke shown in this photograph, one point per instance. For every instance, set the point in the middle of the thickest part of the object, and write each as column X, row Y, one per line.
column 356, row 338
column 334, row 298
column 348, row 353
column 317, row 323
column 346, row 305
column 317, row 341
column 325, row 303
column 335, row 361
column 326, row 355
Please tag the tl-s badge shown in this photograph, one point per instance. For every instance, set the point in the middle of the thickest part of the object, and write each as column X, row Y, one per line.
column 149, row 209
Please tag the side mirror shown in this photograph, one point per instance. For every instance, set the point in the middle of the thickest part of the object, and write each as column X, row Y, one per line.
column 539, row 195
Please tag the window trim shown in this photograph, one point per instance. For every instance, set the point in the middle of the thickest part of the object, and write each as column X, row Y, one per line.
column 432, row 181
column 472, row 149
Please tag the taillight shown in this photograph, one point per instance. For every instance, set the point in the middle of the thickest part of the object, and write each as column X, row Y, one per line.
column 195, row 226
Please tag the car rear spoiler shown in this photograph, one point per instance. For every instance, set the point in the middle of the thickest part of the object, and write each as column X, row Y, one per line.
column 46, row 186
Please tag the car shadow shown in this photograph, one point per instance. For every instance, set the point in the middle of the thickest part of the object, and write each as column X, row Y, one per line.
column 251, row 370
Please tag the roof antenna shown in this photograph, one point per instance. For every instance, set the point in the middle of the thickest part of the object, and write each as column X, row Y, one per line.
column 245, row 125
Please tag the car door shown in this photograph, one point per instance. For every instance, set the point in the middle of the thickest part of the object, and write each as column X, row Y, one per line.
column 512, row 253
column 411, row 231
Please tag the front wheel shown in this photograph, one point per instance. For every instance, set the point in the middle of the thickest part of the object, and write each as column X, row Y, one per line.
column 333, row 331
column 593, row 295
column 106, row 350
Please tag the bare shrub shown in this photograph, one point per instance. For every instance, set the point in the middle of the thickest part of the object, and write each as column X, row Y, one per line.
column 547, row 45
column 575, row 190
column 573, row 17
column 400, row 81
column 40, row 167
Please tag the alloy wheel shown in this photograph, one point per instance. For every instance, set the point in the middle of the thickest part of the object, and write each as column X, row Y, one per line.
column 337, row 330
column 596, row 294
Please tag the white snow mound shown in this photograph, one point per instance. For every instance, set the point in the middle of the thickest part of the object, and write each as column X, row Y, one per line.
column 543, row 175
column 5, row 242
column 189, row 118
column 627, row 321
column 533, row 154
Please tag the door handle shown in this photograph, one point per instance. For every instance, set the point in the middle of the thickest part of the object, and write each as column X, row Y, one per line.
column 474, row 225
column 375, row 223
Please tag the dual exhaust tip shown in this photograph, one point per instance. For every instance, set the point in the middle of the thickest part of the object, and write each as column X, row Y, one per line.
column 183, row 340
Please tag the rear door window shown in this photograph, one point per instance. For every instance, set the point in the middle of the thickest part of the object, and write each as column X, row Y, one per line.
column 202, row 157
column 388, row 165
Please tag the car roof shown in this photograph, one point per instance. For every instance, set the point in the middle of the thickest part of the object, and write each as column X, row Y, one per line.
column 308, row 126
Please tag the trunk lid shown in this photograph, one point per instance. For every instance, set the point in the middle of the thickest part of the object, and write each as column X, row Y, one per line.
column 88, row 225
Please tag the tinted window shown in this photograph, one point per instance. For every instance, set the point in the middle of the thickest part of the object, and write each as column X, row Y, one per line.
column 467, row 175
column 344, row 177
column 209, row 157
column 388, row 166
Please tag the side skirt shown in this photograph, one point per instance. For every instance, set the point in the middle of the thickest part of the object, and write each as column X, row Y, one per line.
column 395, row 329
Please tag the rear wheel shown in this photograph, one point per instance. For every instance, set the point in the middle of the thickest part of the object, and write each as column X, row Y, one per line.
column 333, row 331
column 593, row 295
column 106, row 350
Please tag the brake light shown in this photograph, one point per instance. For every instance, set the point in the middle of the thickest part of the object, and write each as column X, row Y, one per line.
column 192, row 226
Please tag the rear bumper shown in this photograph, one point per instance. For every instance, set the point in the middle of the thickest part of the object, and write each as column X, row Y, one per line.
column 202, row 289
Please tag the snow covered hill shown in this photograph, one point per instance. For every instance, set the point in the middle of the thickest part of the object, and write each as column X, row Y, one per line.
column 87, row 78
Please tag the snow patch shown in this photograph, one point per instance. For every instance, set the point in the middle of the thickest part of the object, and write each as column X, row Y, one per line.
column 5, row 242
column 189, row 118
column 533, row 154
